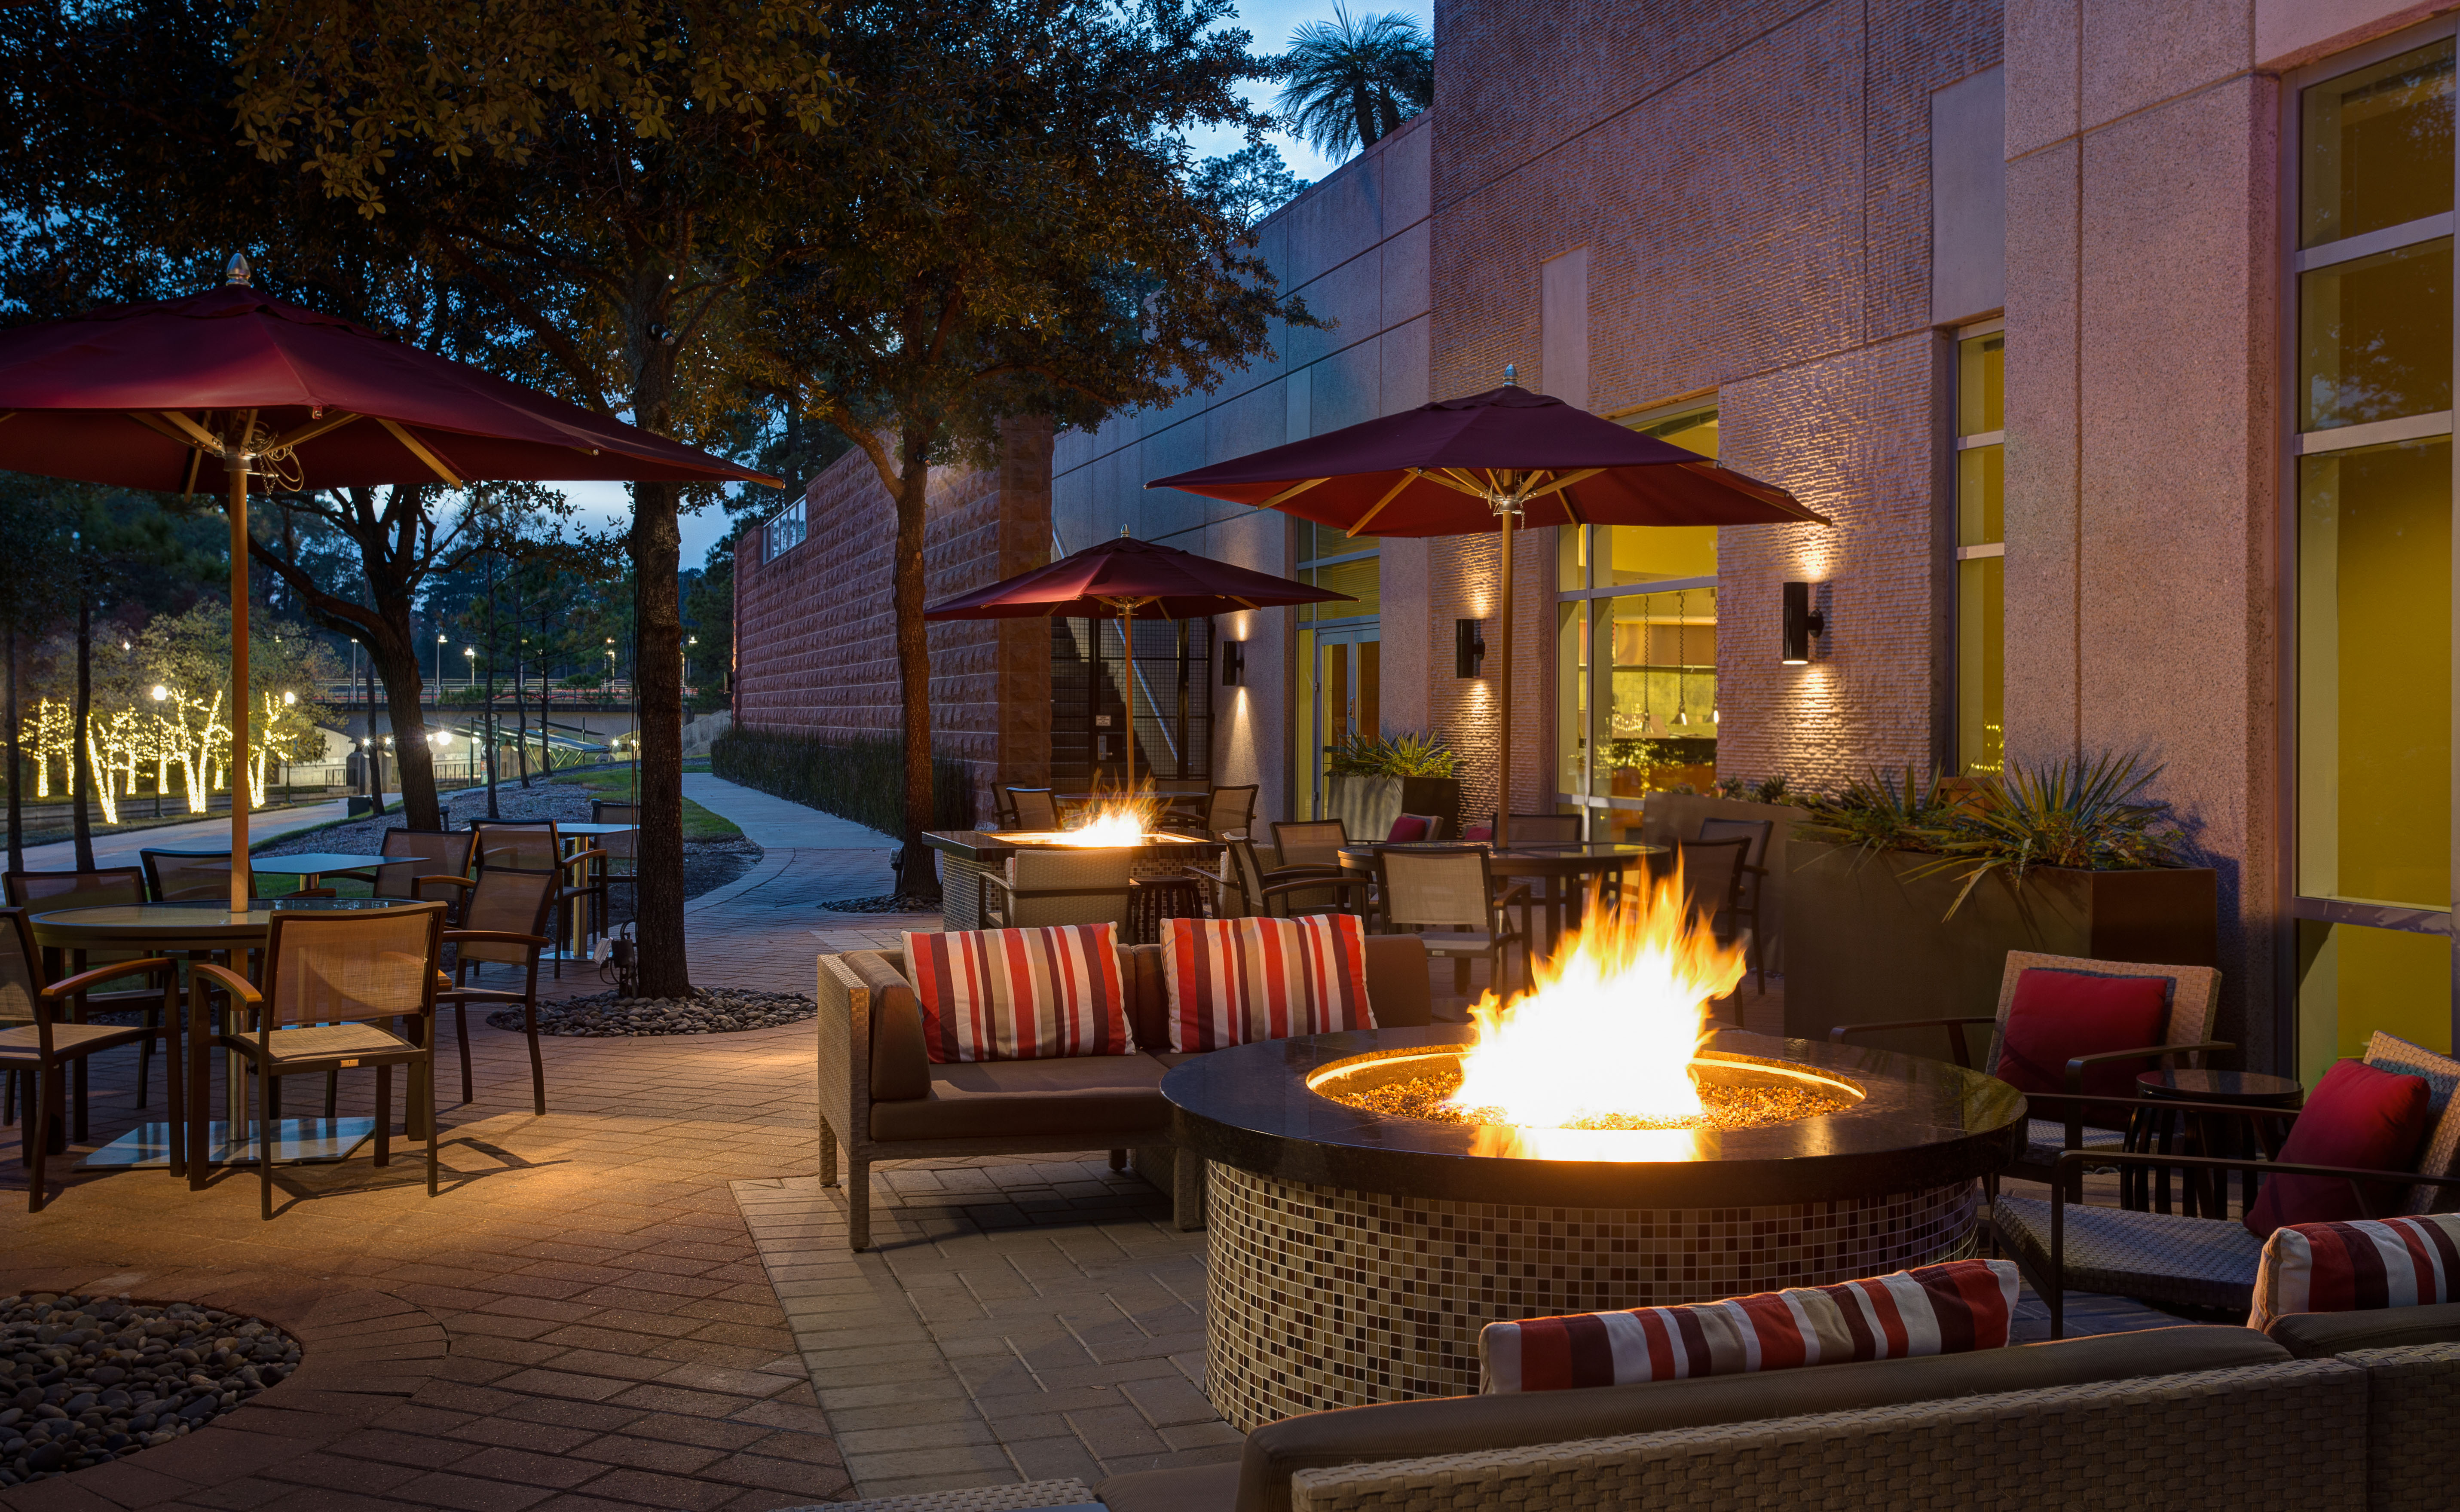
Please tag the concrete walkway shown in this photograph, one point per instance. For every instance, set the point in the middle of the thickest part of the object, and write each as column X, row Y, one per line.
column 204, row 834
column 776, row 823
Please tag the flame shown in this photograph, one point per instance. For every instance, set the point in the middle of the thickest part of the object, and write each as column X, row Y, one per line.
column 1607, row 1037
column 1120, row 819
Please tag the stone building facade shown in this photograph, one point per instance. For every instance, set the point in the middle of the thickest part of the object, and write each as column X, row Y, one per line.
column 2031, row 299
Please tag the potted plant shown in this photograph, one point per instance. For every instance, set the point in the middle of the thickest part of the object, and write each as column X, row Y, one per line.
column 1370, row 780
column 1907, row 895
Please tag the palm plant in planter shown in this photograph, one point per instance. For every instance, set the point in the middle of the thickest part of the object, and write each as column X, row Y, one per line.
column 1371, row 779
column 1910, row 890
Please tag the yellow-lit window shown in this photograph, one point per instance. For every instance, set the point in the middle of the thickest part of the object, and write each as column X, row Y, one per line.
column 1981, row 549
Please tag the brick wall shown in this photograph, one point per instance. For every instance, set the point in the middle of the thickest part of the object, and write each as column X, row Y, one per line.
column 815, row 634
column 1753, row 183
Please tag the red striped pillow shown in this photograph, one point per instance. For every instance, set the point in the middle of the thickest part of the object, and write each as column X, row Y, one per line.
column 1963, row 1305
column 1236, row 980
column 2361, row 1267
column 1020, row 994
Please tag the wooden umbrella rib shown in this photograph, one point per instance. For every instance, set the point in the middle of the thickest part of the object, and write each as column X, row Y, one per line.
column 1290, row 493
column 1408, row 478
column 417, row 449
column 312, row 430
column 196, row 435
column 1566, row 480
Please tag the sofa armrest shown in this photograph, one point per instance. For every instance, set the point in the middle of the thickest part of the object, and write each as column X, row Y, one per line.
column 901, row 1065
column 1462, row 1425
column 1397, row 988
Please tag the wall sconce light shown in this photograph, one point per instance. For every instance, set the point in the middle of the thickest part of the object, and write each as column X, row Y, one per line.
column 1234, row 663
column 1469, row 647
column 1801, row 624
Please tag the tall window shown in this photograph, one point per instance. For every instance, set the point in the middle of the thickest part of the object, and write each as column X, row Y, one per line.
column 1980, row 547
column 1340, row 652
column 1635, row 622
column 2372, row 416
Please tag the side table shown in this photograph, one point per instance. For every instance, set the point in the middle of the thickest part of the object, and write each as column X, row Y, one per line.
column 2206, row 1134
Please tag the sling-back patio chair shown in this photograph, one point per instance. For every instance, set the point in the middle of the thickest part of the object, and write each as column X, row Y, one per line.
column 1749, row 885
column 332, row 981
column 1447, row 896
column 411, row 853
column 43, row 1031
column 190, row 876
column 39, row 893
column 1712, row 886
column 504, row 921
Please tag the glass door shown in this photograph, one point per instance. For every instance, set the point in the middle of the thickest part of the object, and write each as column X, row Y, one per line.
column 1342, row 697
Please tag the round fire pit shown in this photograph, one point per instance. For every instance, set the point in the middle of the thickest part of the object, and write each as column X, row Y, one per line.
column 1354, row 1255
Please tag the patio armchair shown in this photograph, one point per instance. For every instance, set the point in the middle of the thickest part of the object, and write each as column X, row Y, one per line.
column 189, row 876
column 1750, row 887
column 1227, row 813
column 54, row 892
column 1449, row 897
column 43, row 1031
column 1545, row 829
column 1309, row 842
column 2077, row 1124
column 1712, row 886
column 1242, row 888
column 2210, row 1260
column 621, row 867
column 534, row 845
column 1055, row 886
column 331, row 981
column 420, row 853
column 1030, row 808
column 504, row 922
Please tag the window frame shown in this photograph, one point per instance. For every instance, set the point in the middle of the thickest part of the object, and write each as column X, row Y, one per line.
column 770, row 549
column 2292, row 907
column 1708, row 401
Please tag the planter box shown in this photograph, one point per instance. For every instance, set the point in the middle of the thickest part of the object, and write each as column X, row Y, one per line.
column 1667, row 817
column 1367, row 805
column 1870, row 945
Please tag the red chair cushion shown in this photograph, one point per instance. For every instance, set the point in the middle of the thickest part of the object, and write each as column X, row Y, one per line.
column 1477, row 832
column 1408, row 829
column 2357, row 1117
column 2058, row 1015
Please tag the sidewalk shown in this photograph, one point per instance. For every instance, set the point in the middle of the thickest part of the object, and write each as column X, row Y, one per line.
column 204, row 834
column 776, row 823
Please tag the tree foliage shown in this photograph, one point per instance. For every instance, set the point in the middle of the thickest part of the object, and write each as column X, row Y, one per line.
column 1350, row 82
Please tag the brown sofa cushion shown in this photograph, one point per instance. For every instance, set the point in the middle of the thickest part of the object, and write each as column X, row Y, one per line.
column 901, row 1065
column 2308, row 1334
column 1104, row 1097
column 1462, row 1425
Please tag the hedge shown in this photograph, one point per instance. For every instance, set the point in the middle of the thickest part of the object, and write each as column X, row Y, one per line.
column 862, row 781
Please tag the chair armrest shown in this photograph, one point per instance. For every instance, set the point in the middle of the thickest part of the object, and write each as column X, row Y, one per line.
column 2076, row 1065
column 418, row 888
column 1293, row 873
column 2358, row 1179
column 1955, row 1028
column 581, row 858
column 537, row 942
column 230, row 981
column 1338, row 884
column 85, row 981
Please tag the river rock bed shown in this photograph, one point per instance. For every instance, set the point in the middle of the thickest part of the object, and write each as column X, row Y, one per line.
column 708, row 1011
column 882, row 903
column 88, row 1380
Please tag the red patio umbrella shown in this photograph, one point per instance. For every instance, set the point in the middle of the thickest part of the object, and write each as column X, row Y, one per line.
column 1488, row 462
column 161, row 395
column 1117, row 578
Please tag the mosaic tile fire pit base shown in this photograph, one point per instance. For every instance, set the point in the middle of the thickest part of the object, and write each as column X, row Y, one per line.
column 1325, row 1298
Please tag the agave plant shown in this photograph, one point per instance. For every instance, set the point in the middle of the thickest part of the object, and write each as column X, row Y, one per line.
column 1410, row 753
column 1880, row 813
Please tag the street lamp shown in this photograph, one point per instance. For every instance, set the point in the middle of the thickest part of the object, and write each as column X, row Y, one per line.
column 469, row 665
column 440, row 663
column 160, row 692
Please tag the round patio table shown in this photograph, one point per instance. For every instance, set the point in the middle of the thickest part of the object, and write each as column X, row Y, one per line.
column 197, row 928
column 1563, row 869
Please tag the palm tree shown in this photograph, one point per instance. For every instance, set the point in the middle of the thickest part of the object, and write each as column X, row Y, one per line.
column 1348, row 83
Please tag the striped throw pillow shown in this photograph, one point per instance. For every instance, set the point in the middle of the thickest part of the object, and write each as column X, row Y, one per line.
column 2360, row 1266
column 1020, row 994
column 1236, row 980
column 1963, row 1305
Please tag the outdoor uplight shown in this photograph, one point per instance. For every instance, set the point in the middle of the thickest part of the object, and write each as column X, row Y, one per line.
column 288, row 699
column 1801, row 624
column 1469, row 647
column 1234, row 663
column 160, row 692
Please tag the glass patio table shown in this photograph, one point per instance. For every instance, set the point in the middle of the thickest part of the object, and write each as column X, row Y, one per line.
column 203, row 928
column 1563, row 869
column 311, row 866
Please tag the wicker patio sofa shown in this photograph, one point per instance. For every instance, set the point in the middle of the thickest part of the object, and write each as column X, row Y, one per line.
column 2192, row 1417
column 883, row 1098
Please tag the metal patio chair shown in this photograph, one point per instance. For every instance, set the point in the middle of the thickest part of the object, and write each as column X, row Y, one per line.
column 190, row 876
column 504, row 920
column 43, row 1031
column 1447, row 896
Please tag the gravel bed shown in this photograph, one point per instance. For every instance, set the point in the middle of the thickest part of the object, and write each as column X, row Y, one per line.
column 708, row 1011
column 87, row 1380
column 882, row 902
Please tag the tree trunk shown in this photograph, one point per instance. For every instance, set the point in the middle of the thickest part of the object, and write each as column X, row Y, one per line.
column 1362, row 106
column 17, row 765
column 521, row 690
column 658, row 695
column 395, row 660
column 80, row 764
column 488, row 724
column 917, row 877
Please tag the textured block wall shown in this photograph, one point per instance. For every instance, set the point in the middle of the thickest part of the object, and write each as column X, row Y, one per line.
column 1751, row 181
column 815, row 631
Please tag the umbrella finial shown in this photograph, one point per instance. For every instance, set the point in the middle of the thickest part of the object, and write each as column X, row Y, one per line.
column 1123, row 530
column 1510, row 373
column 239, row 273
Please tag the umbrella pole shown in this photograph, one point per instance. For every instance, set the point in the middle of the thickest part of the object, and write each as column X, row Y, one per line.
column 1503, row 685
column 1128, row 644
column 235, row 461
